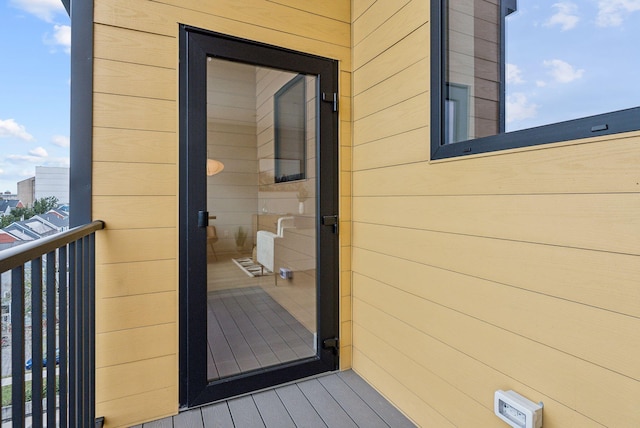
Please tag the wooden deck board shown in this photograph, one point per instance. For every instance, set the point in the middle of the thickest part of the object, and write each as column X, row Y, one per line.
column 356, row 407
column 328, row 409
column 217, row 416
column 377, row 402
column 273, row 412
column 191, row 419
column 244, row 413
column 247, row 330
column 299, row 408
column 335, row 400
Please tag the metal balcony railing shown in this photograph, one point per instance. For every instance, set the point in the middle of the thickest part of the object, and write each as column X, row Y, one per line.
column 48, row 330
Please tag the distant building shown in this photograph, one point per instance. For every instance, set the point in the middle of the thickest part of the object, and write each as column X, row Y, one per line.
column 52, row 181
column 27, row 191
column 8, row 196
column 7, row 206
column 36, row 227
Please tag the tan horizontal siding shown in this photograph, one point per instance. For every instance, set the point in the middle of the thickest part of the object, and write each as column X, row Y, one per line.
column 264, row 25
column 567, row 379
column 407, row 51
column 152, row 342
column 605, row 165
column 124, row 112
column 134, row 245
column 130, row 410
column 134, row 278
column 141, row 310
column 134, row 179
column 611, row 219
column 334, row 9
column 124, row 78
column 136, row 212
column 407, row 18
column 128, row 45
column 515, row 270
column 561, row 324
column 600, row 279
column 456, row 369
column 134, row 145
column 135, row 184
column 131, row 379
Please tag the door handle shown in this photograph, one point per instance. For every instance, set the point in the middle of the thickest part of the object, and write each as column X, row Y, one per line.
column 203, row 218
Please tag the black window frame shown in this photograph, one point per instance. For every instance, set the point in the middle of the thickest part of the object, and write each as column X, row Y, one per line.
column 615, row 122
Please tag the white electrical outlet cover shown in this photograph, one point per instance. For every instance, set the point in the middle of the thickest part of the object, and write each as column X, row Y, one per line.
column 516, row 410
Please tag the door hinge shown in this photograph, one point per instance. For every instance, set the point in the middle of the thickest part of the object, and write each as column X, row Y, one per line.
column 331, row 220
column 333, row 99
column 332, row 343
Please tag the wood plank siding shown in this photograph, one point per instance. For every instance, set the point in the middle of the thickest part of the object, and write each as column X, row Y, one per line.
column 135, row 178
column 515, row 270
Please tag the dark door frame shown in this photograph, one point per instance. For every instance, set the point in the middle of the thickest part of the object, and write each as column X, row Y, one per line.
column 195, row 47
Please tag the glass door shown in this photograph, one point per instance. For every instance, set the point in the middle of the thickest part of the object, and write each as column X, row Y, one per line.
column 261, row 237
column 258, row 263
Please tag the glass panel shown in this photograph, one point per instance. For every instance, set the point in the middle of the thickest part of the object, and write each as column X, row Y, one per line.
column 261, row 245
column 528, row 64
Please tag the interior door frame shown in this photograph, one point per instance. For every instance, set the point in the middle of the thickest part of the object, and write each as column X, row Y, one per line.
column 195, row 46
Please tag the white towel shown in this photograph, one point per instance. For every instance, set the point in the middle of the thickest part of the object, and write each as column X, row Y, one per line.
column 264, row 251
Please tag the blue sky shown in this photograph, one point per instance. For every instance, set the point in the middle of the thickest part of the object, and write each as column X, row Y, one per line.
column 570, row 59
column 35, row 40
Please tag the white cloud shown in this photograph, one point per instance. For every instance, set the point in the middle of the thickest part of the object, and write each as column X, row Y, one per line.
column 60, row 141
column 562, row 71
column 39, row 152
column 36, row 158
column 566, row 16
column 519, row 108
column 24, row 158
column 611, row 13
column 61, row 37
column 514, row 74
column 541, row 83
column 43, row 9
column 10, row 128
column 2, row 171
column 66, row 162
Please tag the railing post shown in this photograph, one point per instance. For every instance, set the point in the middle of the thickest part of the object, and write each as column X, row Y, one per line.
column 64, row 325
column 36, row 341
column 73, row 334
column 51, row 338
column 17, row 348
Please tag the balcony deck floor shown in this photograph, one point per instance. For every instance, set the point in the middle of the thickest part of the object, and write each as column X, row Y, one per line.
column 336, row 400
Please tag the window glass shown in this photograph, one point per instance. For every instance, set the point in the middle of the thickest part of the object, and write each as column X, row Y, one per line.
column 566, row 60
column 507, row 65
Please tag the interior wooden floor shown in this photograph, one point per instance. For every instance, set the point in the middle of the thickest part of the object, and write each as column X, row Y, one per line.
column 255, row 322
column 336, row 400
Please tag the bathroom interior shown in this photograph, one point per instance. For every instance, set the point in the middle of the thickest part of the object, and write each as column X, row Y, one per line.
column 261, row 198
